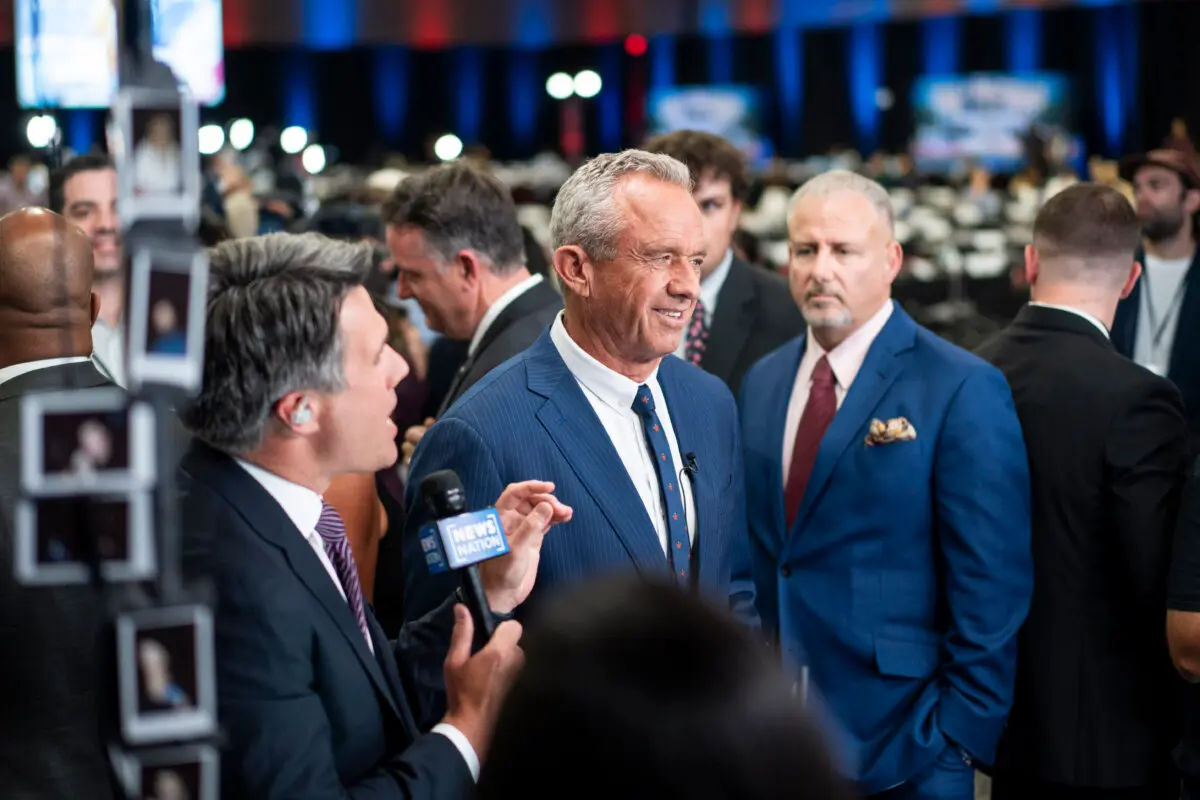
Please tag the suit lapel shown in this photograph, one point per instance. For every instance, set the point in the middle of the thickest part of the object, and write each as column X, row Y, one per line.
column 1189, row 313
column 574, row 428
column 878, row 372
column 777, row 396
column 261, row 511
column 731, row 323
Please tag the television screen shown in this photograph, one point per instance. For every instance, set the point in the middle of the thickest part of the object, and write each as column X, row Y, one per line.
column 67, row 50
column 734, row 112
column 986, row 118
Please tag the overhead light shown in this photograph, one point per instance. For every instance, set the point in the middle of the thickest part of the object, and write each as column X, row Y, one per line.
column 448, row 147
column 241, row 134
column 587, row 83
column 211, row 139
column 313, row 159
column 560, row 86
column 293, row 139
column 41, row 130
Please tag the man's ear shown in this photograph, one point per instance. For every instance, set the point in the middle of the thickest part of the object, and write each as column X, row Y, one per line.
column 1032, row 267
column 574, row 270
column 95, row 307
column 298, row 412
column 1135, row 272
column 469, row 266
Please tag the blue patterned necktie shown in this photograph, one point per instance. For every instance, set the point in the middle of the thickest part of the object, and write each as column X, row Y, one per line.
column 332, row 531
column 679, row 546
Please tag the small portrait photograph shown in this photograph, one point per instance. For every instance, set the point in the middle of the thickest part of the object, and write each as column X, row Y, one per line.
column 59, row 539
column 153, row 139
column 172, row 773
column 168, row 292
column 165, row 657
column 84, row 441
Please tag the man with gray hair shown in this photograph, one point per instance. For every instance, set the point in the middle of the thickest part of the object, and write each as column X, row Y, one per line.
column 298, row 389
column 888, row 492
column 643, row 446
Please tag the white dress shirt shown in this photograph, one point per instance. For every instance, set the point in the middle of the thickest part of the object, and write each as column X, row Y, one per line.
column 497, row 308
column 1077, row 312
column 303, row 508
column 611, row 396
column 1158, row 311
column 17, row 370
column 845, row 361
column 108, row 351
column 710, row 293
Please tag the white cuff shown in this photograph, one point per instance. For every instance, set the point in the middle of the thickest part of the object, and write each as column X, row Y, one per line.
column 459, row 740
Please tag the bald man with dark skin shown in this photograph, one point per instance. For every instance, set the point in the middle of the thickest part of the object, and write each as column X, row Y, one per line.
column 51, row 694
column 47, row 305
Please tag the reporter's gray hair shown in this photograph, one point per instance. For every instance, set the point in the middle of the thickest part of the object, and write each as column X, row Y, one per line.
column 840, row 180
column 585, row 211
column 273, row 327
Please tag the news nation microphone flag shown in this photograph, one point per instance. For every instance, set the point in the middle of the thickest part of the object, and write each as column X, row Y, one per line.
column 460, row 541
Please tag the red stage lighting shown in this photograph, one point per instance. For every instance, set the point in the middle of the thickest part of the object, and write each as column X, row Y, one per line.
column 635, row 44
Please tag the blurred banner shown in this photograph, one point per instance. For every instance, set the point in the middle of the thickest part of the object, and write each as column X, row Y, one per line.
column 337, row 24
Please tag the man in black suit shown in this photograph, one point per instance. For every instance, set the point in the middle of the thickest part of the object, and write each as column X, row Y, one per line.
column 743, row 312
column 1158, row 325
column 50, row 711
column 1183, row 629
column 299, row 385
column 460, row 252
column 1107, row 445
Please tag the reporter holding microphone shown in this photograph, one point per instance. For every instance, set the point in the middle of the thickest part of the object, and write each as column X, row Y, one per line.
column 315, row 702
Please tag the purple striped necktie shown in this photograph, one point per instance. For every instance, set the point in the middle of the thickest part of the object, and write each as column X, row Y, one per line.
column 332, row 531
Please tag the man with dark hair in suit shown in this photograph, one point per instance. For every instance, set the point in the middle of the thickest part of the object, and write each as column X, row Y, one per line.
column 50, row 714
column 84, row 191
column 642, row 446
column 743, row 313
column 299, row 384
column 1107, row 444
column 460, row 252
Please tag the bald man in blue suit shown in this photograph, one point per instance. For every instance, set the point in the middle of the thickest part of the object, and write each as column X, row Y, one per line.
column 888, row 491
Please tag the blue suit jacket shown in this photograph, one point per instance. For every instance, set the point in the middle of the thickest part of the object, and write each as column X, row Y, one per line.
column 907, row 573
column 528, row 419
column 307, row 710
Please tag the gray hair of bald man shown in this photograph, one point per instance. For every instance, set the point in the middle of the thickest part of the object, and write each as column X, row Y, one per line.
column 840, row 180
column 586, row 213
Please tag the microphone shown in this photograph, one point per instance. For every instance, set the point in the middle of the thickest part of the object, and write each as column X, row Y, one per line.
column 689, row 464
column 459, row 540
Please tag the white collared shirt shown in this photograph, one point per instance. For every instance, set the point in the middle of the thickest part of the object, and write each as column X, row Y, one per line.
column 303, row 507
column 17, row 370
column 1077, row 312
column 710, row 294
column 497, row 308
column 1162, row 287
column 108, row 351
column 845, row 361
column 611, row 396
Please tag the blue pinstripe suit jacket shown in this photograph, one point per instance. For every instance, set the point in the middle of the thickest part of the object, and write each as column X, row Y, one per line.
column 528, row 419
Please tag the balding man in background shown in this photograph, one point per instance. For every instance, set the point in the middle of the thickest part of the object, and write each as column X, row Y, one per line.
column 889, row 508
column 50, row 742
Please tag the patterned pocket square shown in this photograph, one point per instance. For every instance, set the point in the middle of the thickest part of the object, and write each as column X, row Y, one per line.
column 894, row 430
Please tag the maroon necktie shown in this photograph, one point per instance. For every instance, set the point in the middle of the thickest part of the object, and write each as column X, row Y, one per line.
column 818, row 413
column 697, row 334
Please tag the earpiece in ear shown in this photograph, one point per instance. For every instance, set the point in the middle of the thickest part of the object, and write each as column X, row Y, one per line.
column 303, row 414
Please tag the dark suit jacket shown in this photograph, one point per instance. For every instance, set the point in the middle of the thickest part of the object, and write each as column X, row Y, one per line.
column 515, row 329
column 1107, row 446
column 755, row 315
column 51, row 692
column 1184, row 368
column 307, row 709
